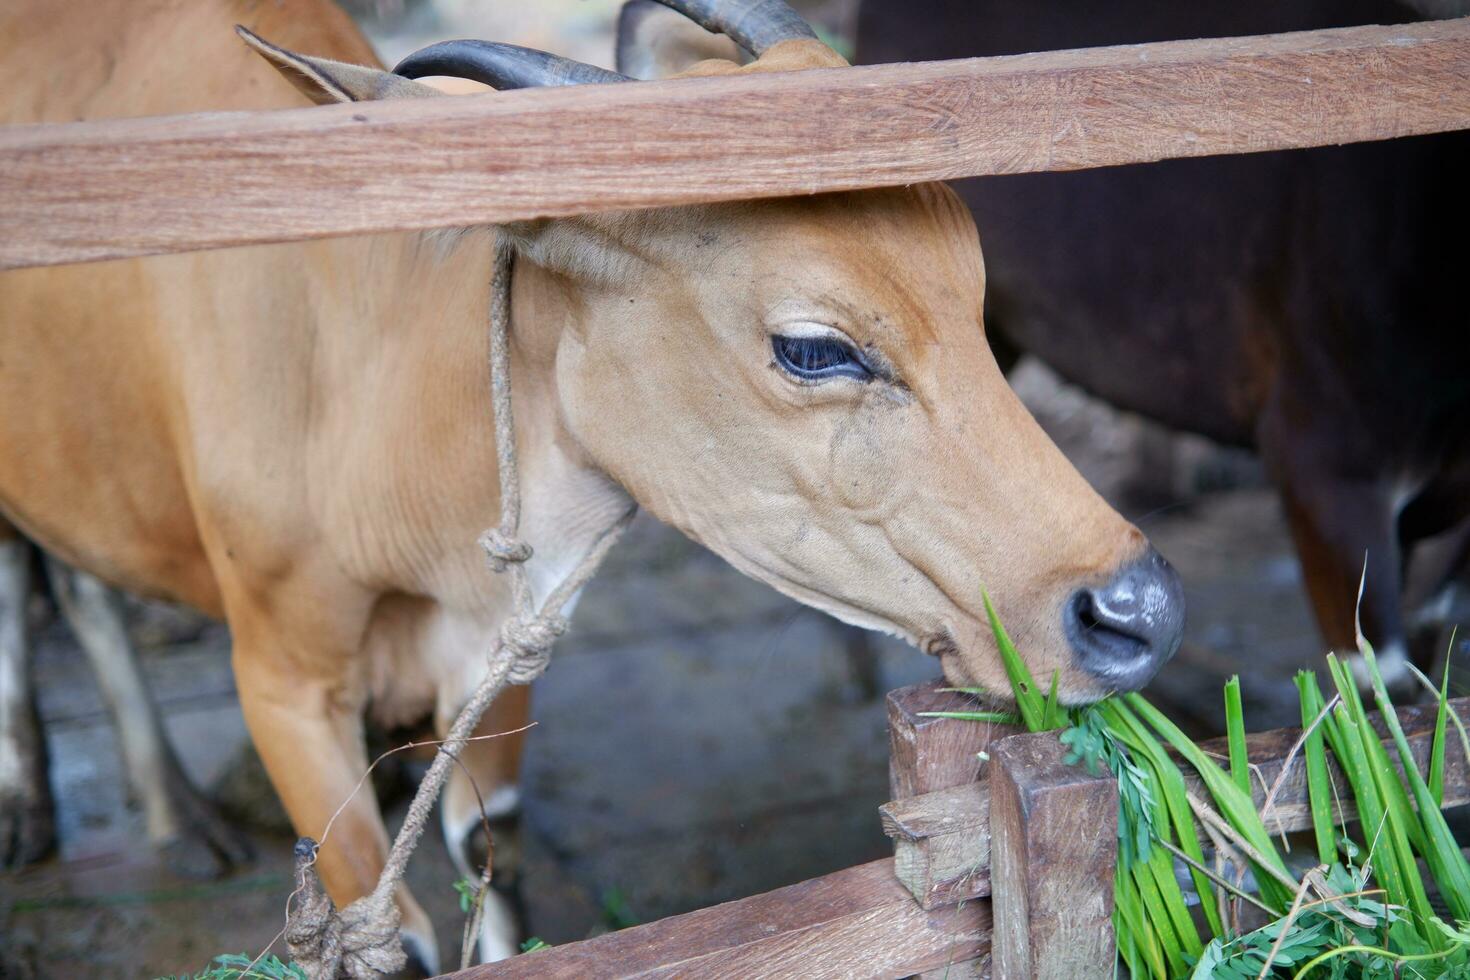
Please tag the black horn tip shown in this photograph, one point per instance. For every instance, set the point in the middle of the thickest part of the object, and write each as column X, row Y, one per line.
column 502, row 66
column 755, row 25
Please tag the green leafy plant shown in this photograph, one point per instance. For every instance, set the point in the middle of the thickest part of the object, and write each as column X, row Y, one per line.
column 238, row 966
column 616, row 912
column 467, row 889
column 1364, row 912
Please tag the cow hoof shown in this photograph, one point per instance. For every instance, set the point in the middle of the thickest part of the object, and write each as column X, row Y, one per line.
column 205, row 845
column 27, row 827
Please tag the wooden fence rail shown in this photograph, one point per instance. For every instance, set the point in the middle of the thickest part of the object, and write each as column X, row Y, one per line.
column 86, row 191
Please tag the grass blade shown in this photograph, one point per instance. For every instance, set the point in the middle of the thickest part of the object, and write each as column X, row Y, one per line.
column 994, row 717
column 1028, row 699
column 1053, row 715
column 1441, row 717
column 1235, row 735
column 1319, row 789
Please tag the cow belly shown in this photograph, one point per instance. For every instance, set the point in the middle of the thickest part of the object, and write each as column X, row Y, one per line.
column 87, row 461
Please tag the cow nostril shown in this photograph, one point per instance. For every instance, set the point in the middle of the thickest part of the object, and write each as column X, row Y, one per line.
column 1124, row 631
column 1107, row 636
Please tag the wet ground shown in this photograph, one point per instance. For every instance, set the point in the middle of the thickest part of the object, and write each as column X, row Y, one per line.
column 699, row 737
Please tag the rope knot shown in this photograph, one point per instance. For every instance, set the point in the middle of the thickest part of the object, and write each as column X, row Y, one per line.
column 503, row 550
column 371, row 944
column 360, row 942
column 529, row 643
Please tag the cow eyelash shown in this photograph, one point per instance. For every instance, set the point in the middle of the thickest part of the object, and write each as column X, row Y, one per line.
column 813, row 359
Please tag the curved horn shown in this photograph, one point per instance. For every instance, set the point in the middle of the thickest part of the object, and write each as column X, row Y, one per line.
column 755, row 25
column 501, row 66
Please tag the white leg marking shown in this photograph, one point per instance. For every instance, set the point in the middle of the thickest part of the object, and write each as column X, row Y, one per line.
column 94, row 613
column 14, row 655
column 499, row 933
column 459, row 820
column 1393, row 666
column 15, row 714
column 26, row 827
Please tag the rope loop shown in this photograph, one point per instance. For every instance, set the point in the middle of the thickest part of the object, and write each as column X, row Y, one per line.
column 503, row 550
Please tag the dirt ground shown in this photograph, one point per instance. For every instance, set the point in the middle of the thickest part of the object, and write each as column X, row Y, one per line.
column 699, row 737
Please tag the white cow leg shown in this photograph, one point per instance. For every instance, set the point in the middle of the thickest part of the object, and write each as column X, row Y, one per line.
column 492, row 767
column 464, row 836
column 27, row 828
column 193, row 838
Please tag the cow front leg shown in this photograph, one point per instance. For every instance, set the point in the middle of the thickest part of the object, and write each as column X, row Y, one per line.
column 308, row 731
column 191, row 835
column 489, row 775
column 27, row 828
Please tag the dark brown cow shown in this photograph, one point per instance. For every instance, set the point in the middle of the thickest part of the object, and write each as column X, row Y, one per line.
column 1307, row 303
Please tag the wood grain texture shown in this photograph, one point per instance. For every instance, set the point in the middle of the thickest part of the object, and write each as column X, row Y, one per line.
column 1053, row 852
column 928, row 754
column 87, row 191
column 855, row 923
column 941, row 843
column 939, row 837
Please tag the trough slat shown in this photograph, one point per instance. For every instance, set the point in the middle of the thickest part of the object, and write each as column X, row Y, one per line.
column 87, row 191
column 859, row 922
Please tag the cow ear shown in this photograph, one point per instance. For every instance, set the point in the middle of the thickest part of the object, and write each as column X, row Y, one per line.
column 324, row 81
column 655, row 41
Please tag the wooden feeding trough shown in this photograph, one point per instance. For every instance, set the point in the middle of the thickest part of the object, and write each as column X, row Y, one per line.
column 1003, row 866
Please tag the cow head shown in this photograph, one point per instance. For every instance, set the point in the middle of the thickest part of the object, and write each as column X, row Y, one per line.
column 804, row 385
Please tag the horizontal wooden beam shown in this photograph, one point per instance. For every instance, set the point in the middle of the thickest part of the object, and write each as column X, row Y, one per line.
column 98, row 190
column 942, row 840
column 941, row 843
column 857, row 922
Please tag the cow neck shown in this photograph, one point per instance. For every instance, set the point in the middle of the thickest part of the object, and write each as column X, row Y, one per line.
column 332, row 943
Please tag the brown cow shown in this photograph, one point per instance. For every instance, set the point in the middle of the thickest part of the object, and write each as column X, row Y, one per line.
column 298, row 438
column 1308, row 304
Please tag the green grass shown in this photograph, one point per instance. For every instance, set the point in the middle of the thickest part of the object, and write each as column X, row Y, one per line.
column 238, row 966
column 1363, row 913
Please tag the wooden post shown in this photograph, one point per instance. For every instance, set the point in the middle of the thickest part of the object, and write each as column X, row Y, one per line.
column 1053, row 850
column 928, row 754
column 941, row 843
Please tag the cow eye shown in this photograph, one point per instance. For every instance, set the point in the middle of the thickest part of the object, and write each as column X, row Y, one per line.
column 819, row 358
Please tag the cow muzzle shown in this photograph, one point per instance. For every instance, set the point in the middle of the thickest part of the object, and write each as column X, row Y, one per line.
column 1122, row 632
